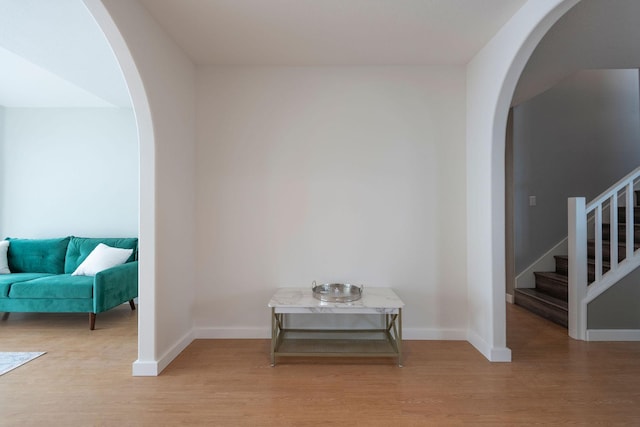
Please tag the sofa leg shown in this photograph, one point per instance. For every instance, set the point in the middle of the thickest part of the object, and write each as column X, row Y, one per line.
column 5, row 316
column 132, row 304
column 92, row 321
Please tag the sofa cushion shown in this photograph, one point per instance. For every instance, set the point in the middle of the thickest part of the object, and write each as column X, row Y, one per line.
column 59, row 286
column 80, row 247
column 102, row 258
column 4, row 264
column 6, row 280
column 37, row 255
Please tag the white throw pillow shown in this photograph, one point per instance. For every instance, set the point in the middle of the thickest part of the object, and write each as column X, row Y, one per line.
column 4, row 264
column 101, row 258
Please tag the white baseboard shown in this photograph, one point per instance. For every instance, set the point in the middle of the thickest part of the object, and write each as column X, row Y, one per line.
column 154, row 368
column 509, row 298
column 144, row 368
column 493, row 354
column 500, row 354
column 480, row 345
column 174, row 351
column 613, row 335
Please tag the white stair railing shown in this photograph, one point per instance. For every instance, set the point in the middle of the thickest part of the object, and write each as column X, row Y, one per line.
column 580, row 230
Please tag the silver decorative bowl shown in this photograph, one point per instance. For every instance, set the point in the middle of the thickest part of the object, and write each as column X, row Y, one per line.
column 337, row 292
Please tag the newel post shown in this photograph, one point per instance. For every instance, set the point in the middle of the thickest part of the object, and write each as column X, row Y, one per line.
column 577, row 267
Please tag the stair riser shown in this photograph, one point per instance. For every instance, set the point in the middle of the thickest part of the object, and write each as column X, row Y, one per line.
column 552, row 287
column 622, row 233
column 562, row 267
column 550, row 312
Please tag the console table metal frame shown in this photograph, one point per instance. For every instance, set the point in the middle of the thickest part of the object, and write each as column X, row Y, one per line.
column 389, row 345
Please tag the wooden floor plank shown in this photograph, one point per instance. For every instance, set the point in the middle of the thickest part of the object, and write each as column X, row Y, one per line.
column 85, row 379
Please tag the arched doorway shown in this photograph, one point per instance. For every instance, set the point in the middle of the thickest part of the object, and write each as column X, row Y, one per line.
column 146, row 316
column 585, row 67
column 491, row 80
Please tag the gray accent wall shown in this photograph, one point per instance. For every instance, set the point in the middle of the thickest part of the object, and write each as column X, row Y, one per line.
column 617, row 307
column 576, row 139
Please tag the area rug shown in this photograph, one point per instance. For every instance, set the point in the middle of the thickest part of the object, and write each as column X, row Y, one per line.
column 12, row 360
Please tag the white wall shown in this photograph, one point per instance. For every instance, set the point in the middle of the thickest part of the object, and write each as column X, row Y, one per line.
column 69, row 171
column 2, row 113
column 330, row 174
column 574, row 140
column 161, row 80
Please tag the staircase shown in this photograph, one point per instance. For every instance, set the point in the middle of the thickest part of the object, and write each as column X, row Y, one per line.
column 549, row 298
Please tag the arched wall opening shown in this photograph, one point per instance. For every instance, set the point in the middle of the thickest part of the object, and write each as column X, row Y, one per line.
column 491, row 80
column 161, row 81
column 146, row 316
column 575, row 104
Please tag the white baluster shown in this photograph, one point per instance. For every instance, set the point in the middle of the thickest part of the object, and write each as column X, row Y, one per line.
column 598, row 243
column 613, row 232
column 629, row 220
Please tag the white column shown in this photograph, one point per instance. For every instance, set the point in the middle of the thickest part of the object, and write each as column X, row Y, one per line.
column 577, row 267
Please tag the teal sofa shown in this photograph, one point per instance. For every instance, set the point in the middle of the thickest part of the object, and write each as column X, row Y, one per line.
column 41, row 280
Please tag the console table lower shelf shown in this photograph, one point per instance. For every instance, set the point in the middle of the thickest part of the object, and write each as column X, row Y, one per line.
column 291, row 342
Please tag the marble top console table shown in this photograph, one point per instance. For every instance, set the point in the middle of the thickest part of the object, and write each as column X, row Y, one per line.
column 385, row 341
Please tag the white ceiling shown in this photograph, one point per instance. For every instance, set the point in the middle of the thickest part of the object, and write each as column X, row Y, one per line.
column 53, row 54
column 24, row 84
column 332, row 32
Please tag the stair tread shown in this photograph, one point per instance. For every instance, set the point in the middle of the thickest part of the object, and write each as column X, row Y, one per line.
column 563, row 278
column 605, row 263
column 547, row 299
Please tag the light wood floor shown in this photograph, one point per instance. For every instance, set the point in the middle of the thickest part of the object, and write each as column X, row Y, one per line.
column 85, row 379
